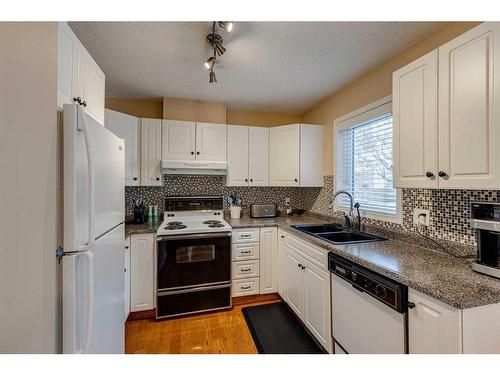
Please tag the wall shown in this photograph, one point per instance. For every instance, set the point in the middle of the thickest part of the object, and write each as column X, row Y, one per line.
column 194, row 110
column 255, row 118
column 29, row 153
column 145, row 107
column 374, row 85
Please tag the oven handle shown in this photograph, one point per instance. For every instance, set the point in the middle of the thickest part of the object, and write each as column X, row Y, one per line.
column 193, row 236
column 193, row 290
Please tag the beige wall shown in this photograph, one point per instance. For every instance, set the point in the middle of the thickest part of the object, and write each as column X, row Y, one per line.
column 194, row 110
column 197, row 110
column 142, row 107
column 375, row 84
column 29, row 153
column 255, row 118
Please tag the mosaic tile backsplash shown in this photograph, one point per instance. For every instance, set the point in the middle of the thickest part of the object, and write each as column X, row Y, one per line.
column 215, row 185
column 449, row 209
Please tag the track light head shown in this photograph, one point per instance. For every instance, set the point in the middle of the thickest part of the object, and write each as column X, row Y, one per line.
column 211, row 77
column 219, row 49
column 209, row 64
column 226, row 25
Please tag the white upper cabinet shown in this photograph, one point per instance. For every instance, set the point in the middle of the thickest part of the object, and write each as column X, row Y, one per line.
column 461, row 150
column 415, row 123
column 178, row 140
column 284, row 153
column 150, row 152
column 127, row 127
column 237, row 155
column 185, row 140
column 469, row 109
column 247, row 155
column 258, row 159
column 296, row 155
column 78, row 75
column 210, row 141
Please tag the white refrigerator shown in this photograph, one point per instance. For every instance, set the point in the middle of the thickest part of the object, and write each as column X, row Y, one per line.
column 93, row 282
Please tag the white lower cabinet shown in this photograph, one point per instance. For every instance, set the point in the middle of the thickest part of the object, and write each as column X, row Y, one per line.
column 305, row 286
column 142, row 272
column 281, row 281
column 268, row 260
column 433, row 327
column 245, row 253
column 245, row 287
column 127, row 276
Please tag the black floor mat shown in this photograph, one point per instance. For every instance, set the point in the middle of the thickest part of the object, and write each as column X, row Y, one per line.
column 275, row 330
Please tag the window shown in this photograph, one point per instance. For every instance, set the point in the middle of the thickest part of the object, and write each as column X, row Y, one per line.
column 364, row 161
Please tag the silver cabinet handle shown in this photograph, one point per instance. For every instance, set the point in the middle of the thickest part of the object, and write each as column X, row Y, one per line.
column 246, row 287
column 246, row 235
column 246, row 269
column 246, row 252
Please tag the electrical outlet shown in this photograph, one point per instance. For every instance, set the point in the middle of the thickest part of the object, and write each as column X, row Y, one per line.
column 417, row 212
column 287, row 201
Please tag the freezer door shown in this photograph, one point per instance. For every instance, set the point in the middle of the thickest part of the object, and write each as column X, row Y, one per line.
column 94, row 297
column 94, row 193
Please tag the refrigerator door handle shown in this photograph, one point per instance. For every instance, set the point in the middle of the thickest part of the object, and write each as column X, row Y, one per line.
column 90, row 307
column 70, row 303
column 82, row 126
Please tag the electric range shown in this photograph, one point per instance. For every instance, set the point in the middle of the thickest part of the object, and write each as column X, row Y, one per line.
column 193, row 257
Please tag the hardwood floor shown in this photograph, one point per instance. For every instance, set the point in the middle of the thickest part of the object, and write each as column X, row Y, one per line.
column 223, row 332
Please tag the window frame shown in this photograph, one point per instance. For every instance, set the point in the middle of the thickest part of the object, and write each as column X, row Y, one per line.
column 364, row 114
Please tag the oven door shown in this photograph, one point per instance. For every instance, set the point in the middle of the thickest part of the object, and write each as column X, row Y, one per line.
column 193, row 260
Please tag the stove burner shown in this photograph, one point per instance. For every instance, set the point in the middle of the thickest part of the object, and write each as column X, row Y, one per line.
column 216, row 225
column 175, row 226
column 174, row 223
column 211, row 222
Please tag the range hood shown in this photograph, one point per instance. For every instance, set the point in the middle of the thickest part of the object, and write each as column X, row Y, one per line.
column 194, row 167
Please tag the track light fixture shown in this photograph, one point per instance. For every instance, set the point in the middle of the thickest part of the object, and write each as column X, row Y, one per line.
column 209, row 64
column 215, row 41
column 226, row 25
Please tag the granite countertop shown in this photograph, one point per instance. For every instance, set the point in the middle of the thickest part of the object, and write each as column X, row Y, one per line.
column 437, row 274
column 131, row 228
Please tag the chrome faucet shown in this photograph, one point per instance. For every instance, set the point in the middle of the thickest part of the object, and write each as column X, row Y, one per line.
column 349, row 217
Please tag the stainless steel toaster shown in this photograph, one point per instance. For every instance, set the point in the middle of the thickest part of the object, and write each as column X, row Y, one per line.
column 263, row 210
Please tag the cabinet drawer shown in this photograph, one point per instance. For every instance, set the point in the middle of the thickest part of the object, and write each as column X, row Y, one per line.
column 245, row 235
column 313, row 253
column 245, row 287
column 245, row 269
column 244, row 251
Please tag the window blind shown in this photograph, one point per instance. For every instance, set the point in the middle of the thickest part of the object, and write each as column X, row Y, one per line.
column 364, row 165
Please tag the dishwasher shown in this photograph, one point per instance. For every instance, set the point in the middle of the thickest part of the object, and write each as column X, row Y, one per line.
column 369, row 311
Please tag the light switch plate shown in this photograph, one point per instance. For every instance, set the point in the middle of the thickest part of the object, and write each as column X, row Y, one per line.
column 287, row 201
column 417, row 212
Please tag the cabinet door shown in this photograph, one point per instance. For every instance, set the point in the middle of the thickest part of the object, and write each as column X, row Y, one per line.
column 150, row 152
column 178, row 140
column 294, row 282
column 433, row 327
column 284, row 147
column 469, row 109
column 282, row 287
column 258, row 156
column 268, row 260
column 311, row 155
column 142, row 272
column 237, row 155
column 211, row 141
column 66, row 55
column 93, row 85
column 415, row 123
column 317, row 303
column 127, row 277
column 127, row 127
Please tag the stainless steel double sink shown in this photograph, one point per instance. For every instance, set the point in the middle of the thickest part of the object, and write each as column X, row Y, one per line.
column 337, row 234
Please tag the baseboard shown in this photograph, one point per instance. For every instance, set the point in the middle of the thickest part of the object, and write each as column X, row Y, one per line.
column 255, row 299
column 146, row 314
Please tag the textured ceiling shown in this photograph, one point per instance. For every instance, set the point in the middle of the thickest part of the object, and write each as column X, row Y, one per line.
column 269, row 66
